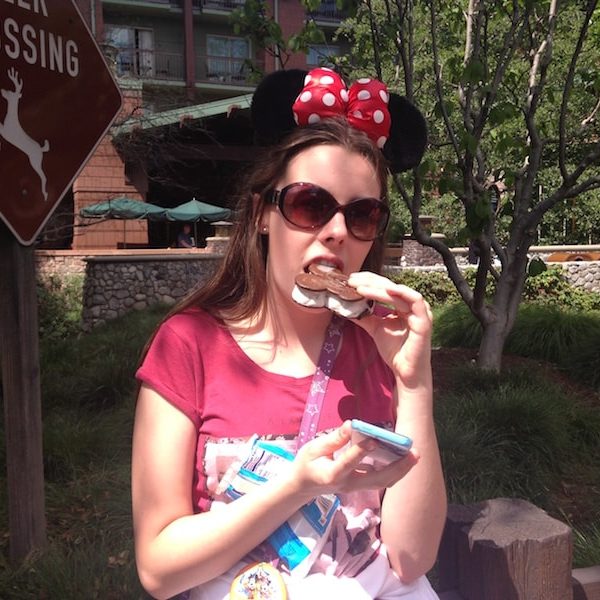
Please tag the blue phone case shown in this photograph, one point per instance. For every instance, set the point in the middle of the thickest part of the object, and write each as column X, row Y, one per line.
column 392, row 446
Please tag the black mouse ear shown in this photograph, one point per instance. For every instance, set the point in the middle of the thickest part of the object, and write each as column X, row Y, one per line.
column 406, row 144
column 271, row 108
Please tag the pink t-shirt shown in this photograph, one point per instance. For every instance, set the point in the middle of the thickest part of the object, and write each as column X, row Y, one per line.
column 196, row 365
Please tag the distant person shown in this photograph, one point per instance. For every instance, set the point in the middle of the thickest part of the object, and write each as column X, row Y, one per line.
column 185, row 239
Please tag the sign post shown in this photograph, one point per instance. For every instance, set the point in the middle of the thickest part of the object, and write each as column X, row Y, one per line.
column 57, row 100
column 21, row 389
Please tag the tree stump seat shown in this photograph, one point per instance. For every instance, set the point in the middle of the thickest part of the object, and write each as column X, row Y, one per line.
column 505, row 549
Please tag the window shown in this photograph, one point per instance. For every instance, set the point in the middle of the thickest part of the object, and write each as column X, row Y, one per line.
column 135, row 46
column 320, row 55
column 226, row 58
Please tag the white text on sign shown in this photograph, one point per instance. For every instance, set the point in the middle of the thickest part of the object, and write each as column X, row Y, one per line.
column 37, row 46
column 31, row 5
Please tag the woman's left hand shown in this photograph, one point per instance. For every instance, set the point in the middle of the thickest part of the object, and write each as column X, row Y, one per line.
column 403, row 337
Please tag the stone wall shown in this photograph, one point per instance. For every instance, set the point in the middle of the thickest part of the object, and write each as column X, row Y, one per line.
column 582, row 274
column 116, row 285
column 59, row 264
column 414, row 254
column 119, row 281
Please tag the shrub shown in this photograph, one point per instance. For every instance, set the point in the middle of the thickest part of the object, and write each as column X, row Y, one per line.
column 97, row 369
column 553, row 334
column 586, row 544
column 435, row 286
column 59, row 306
column 550, row 288
column 88, row 391
column 454, row 325
column 568, row 338
column 513, row 434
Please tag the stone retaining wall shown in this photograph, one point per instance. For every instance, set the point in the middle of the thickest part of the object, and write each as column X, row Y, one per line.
column 581, row 274
column 59, row 263
column 115, row 286
column 119, row 281
column 584, row 274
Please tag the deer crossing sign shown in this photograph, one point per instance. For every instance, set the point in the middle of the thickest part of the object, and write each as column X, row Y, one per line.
column 57, row 100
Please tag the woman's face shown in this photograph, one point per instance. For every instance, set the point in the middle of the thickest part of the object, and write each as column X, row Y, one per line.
column 347, row 176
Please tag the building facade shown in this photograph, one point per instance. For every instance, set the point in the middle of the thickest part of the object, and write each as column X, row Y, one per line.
column 187, row 80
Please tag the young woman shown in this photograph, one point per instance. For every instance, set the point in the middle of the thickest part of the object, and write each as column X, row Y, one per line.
column 238, row 359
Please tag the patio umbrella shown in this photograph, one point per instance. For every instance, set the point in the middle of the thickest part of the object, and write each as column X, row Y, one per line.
column 194, row 211
column 123, row 208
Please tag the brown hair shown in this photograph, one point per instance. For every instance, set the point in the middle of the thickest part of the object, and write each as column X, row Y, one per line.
column 238, row 288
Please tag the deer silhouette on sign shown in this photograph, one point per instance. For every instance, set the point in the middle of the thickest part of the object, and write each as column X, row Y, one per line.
column 12, row 131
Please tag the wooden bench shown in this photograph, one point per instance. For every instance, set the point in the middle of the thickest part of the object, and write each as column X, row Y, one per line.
column 509, row 549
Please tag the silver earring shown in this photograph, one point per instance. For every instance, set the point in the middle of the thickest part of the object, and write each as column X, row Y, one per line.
column 265, row 229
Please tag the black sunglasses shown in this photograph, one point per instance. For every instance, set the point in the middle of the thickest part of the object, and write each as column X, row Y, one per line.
column 308, row 206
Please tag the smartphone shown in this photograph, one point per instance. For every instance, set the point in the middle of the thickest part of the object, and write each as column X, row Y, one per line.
column 391, row 446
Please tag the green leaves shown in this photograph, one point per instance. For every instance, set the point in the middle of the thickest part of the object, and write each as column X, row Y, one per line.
column 474, row 72
column 502, row 112
column 311, row 5
column 468, row 142
column 536, row 267
column 447, row 107
column 253, row 21
column 306, row 37
column 478, row 215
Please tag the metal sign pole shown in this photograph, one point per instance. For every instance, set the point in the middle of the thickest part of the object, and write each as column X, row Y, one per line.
column 19, row 350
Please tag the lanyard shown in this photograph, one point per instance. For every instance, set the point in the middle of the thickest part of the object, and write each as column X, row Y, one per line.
column 314, row 401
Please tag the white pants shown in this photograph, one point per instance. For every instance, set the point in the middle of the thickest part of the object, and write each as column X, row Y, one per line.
column 378, row 581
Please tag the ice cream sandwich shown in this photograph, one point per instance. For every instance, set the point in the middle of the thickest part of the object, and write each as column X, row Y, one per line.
column 328, row 287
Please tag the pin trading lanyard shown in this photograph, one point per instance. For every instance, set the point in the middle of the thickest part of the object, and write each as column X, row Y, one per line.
column 314, row 401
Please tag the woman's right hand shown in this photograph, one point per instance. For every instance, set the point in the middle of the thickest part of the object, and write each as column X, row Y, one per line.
column 324, row 465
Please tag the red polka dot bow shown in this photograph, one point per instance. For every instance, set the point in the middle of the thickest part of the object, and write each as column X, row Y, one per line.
column 364, row 105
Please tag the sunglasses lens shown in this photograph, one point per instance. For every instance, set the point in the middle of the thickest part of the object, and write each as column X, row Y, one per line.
column 367, row 218
column 308, row 206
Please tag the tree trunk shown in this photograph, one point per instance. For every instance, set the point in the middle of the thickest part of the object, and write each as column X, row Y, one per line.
column 492, row 345
column 501, row 315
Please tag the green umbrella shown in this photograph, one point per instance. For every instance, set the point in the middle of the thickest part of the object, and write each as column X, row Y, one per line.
column 123, row 208
column 194, row 211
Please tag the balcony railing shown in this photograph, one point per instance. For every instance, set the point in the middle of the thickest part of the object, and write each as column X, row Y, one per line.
column 327, row 11
column 211, row 4
column 170, row 66
column 221, row 4
column 149, row 64
column 221, row 69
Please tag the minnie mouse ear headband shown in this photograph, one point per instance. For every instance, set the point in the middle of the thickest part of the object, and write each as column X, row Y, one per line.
column 285, row 100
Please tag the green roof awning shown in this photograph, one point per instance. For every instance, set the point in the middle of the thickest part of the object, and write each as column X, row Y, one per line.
column 177, row 115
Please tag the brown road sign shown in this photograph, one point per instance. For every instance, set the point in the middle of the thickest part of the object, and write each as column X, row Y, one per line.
column 58, row 99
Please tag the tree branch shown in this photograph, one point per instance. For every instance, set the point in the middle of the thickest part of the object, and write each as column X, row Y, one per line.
column 590, row 118
column 474, row 18
column 593, row 183
column 539, row 66
column 438, row 85
column 405, row 48
column 375, row 39
column 537, row 80
column 591, row 6
column 509, row 44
